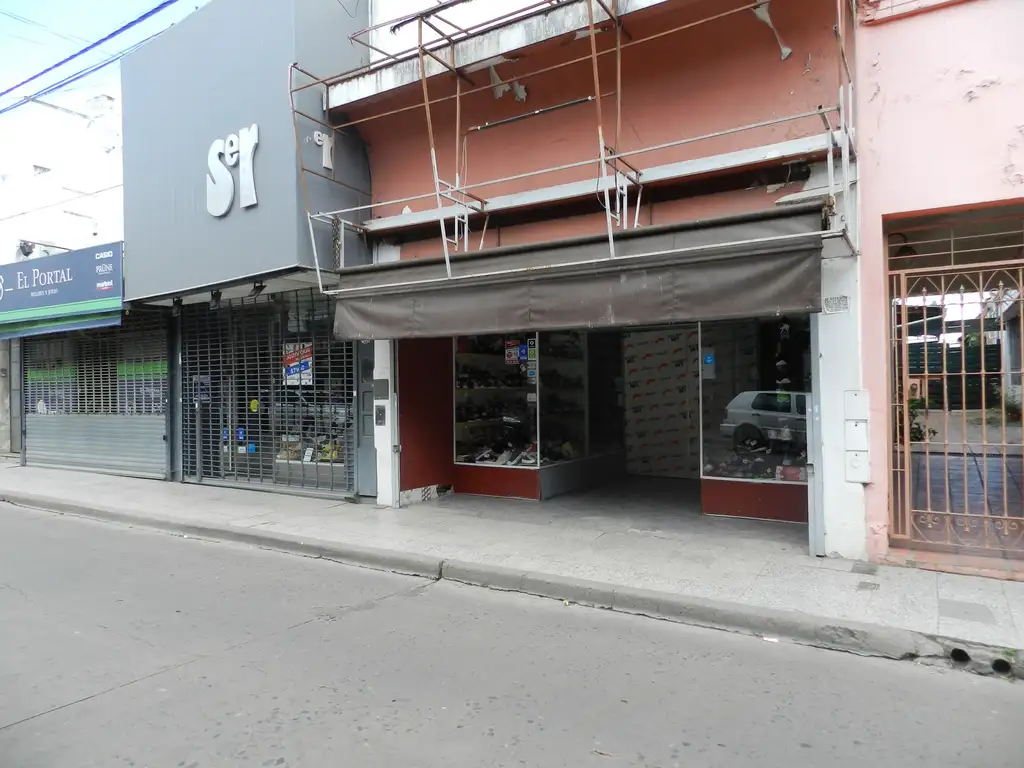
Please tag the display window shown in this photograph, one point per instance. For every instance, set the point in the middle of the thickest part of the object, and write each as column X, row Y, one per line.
column 755, row 394
column 496, row 399
column 714, row 400
column 521, row 400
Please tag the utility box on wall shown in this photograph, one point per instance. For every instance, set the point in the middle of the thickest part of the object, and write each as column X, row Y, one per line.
column 855, row 436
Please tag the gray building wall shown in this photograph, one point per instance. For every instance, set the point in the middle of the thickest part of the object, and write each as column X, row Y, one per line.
column 322, row 51
column 222, row 69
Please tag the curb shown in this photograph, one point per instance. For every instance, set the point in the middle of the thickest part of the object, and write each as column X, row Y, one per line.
column 393, row 561
column 767, row 623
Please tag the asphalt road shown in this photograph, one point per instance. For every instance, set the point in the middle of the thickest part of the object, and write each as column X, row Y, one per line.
column 124, row 647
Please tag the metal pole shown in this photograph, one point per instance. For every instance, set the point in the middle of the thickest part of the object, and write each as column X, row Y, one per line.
column 700, row 397
column 624, row 212
column 618, row 75
column 907, row 508
column 600, row 130
column 199, row 433
column 302, row 177
column 830, row 161
column 458, row 136
column 433, row 152
column 844, row 148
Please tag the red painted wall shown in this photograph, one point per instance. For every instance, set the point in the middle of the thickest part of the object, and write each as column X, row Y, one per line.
column 425, row 412
column 498, row 481
column 667, row 212
column 765, row 501
column 716, row 76
column 426, row 428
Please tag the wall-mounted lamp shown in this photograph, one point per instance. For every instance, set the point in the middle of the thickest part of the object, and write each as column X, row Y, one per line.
column 257, row 289
column 215, row 299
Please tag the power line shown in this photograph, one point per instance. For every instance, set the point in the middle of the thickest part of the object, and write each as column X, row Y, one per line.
column 44, row 27
column 61, row 202
column 61, row 84
column 91, row 46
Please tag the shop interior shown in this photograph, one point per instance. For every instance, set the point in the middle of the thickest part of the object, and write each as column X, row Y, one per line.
column 715, row 412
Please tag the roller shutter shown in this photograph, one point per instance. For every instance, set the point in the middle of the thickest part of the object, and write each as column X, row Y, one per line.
column 97, row 399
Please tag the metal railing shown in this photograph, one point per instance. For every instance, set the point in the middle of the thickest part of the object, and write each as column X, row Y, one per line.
column 616, row 172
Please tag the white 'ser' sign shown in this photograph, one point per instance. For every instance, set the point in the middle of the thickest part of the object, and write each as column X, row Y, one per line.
column 237, row 149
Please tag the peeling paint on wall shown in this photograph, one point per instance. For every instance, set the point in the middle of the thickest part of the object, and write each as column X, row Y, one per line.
column 975, row 91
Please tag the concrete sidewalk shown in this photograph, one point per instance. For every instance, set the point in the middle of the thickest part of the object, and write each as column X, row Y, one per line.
column 742, row 568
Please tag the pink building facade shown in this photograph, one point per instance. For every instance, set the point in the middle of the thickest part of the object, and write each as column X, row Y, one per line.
column 940, row 146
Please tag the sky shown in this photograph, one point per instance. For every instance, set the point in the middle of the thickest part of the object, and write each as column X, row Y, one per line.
column 60, row 155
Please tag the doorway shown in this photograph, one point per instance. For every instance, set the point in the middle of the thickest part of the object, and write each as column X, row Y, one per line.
column 955, row 290
column 270, row 397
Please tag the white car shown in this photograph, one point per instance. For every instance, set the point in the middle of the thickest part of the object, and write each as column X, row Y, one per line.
column 754, row 419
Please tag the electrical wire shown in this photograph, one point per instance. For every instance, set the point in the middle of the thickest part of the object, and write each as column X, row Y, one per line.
column 120, row 30
column 61, row 202
column 44, row 27
column 351, row 14
column 61, row 84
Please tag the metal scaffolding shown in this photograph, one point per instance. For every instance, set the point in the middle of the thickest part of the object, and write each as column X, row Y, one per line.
column 620, row 179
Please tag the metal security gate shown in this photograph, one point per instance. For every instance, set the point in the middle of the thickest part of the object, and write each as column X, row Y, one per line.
column 268, row 394
column 97, row 399
column 956, row 328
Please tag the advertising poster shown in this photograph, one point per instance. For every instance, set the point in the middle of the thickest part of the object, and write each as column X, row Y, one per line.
column 298, row 363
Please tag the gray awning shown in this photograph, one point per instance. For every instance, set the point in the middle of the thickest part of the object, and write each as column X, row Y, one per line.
column 747, row 266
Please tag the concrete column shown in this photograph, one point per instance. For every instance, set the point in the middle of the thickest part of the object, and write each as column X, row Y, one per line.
column 841, row 365
column 385, row 437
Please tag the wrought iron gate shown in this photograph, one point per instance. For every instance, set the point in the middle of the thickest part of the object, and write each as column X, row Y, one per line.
column 268, row 394
column 956, row 328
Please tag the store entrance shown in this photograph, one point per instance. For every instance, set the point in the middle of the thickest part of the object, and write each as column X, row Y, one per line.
column 271, row 396
column 714, row 414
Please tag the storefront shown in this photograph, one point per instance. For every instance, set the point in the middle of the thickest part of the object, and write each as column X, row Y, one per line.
column 263, row 394
column 94, row 378
column 709, row 404
column 687, row 357
column 271, row 398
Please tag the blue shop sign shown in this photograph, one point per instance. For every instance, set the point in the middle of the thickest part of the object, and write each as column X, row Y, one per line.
column 64, row 291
